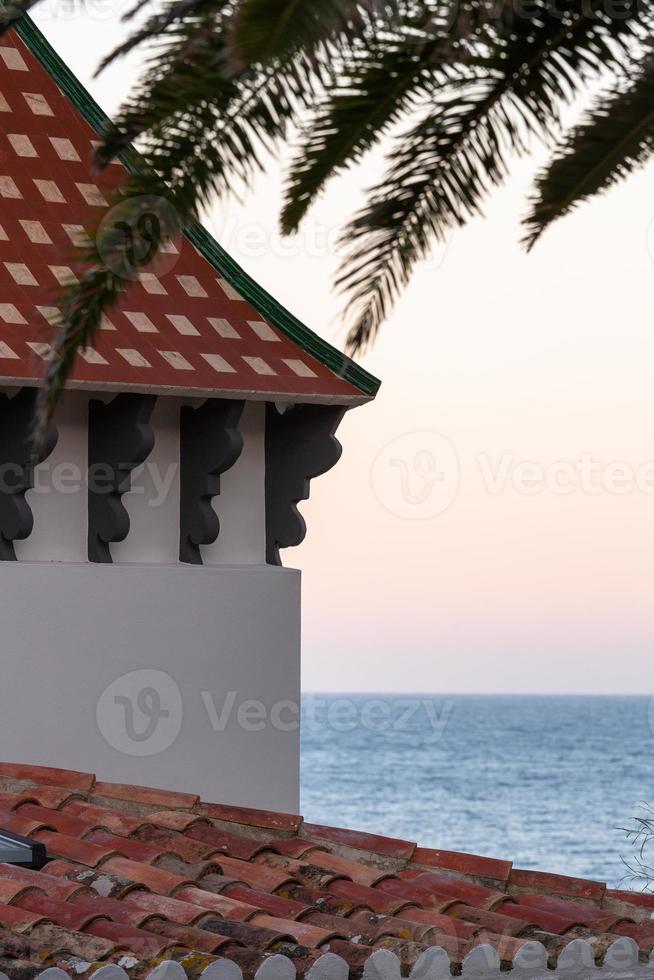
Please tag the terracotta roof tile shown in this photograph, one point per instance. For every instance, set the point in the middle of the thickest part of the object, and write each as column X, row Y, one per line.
column 99, row 880
column 358, row 872
column 146, row 795
column 294, row 847
column 141, row 942
column 552, row 884
column 256, row 875
column 549, row 921
column 583, row 912
column 428, row 930
column 11, row 891
column 213, row 880
column 372, row 898
column 483, row 919
column 306, row 935
column 285, row 908
column 42, row 879
column 249, row 817
column 155, row 879
column 126, row 911
column 446, row 922
column 373, row 843
column 63, row 913
column 464, row 891
column 223, row 905
column 16, row 919
column 61, row 778
column 64, row 823
column 643, row 899
column 49, row 796
column 131, row 848
column 173, row 909
column 16, row 946
column 178, row 844
column 466, row 864
column 189, row 936
column 175, row 820
column 16, row 824
column 216, row 840
column 312, row 874
column 63, row 846
column 62, row 940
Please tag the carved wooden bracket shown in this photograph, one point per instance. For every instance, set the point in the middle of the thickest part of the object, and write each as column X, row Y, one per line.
column 120, row 438
column 18, row 458
column 300, row 444
column 210, row 444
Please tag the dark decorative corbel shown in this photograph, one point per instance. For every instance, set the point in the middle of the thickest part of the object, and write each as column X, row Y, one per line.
column 300, row 444
column 210, row 444
column 18, row 458
column 120, row 438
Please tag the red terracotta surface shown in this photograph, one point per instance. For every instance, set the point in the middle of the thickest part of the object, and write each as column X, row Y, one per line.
column 181, row 329
column 465, row 864
column 551, row 884
column 192, row 881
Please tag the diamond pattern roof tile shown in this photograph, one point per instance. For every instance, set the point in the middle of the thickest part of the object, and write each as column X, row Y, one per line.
column 185, row 329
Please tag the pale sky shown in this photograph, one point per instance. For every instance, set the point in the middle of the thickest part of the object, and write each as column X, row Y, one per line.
column 516, row 388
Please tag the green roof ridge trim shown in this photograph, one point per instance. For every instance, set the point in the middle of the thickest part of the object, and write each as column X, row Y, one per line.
column 206, row 244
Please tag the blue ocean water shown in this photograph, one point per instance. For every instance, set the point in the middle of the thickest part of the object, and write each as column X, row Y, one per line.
column 543, row 781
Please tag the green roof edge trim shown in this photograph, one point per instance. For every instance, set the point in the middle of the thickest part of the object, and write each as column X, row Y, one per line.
column 206, row 244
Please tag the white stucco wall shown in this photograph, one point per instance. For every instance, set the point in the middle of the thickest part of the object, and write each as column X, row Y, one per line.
column 153, row 502
column 211, row 655
column 60, row 506
column 59, row 500
column 241, row 505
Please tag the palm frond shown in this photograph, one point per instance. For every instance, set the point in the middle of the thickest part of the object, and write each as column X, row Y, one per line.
column 200, row 134
column 108, row 270
column 175, row 12
column 441, row 171
column 225, row 81
column 189, row 82
column 266, row 30
column 378, row 84
column 98, row 289
column 426, row 192
column 13, row 11
column 615, row 138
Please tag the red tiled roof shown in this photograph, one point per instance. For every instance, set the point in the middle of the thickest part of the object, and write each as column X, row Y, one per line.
column 159, row 875
column 187, row 329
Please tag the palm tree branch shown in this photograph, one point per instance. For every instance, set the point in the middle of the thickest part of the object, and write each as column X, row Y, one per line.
column 373, row 91
column 192, row 147
column 266, row 30
column 441, row 171
column 615, row 138
column 186, row 11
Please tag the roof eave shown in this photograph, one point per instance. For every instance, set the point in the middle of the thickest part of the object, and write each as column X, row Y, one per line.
column 338, row 362
column 184, row 391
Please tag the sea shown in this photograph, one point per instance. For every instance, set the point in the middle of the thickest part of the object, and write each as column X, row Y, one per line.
column 549, row 782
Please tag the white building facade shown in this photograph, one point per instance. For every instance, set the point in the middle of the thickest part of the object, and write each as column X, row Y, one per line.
column 150, row 630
